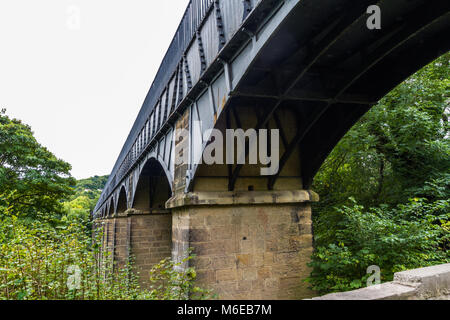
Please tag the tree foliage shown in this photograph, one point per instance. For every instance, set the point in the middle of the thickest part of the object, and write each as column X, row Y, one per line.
column 46, row 240
column 385, row 188
column 91, row 187
column 38, row 262
column 81, row 204
column 33, row 182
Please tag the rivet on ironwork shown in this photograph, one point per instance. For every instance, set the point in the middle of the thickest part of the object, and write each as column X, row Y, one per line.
column 188, row 73
column 220, row 26
column 201, row 52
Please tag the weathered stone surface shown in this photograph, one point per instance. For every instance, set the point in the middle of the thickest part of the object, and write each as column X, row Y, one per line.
column 386, row 291
column 150, row 241
column 243, row 198
column 257, row 250
column 248, row 245
column 147, row 238
column 430, row 283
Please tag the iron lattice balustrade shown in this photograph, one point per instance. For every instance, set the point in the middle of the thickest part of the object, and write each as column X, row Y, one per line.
column 173, row 79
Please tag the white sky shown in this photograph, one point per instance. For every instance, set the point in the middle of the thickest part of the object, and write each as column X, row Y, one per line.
column 80, row 89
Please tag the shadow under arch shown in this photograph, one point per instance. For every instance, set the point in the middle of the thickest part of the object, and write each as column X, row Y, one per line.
column 122, row 201
column 329, row 79
column 153, row 188
column 110, row 212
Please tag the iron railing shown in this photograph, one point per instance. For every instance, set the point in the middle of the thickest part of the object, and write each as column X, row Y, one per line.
column 193, row 17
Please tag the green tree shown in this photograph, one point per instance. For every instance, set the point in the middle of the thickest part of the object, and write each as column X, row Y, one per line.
column 95, row 183
column 33, row 182
column 388, row 178
column 90, row 188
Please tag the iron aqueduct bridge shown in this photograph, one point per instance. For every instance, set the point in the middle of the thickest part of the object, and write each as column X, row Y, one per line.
column 310, row 68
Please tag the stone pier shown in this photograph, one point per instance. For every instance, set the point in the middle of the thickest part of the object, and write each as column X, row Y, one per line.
column 248, row 245
column 145, row 237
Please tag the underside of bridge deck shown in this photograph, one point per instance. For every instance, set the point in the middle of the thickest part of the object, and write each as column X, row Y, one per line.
column 308, row 68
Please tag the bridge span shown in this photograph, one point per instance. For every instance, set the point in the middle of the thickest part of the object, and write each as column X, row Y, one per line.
column 309, row 68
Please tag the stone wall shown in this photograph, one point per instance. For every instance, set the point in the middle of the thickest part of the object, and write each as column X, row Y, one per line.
column 151, row 241
column 145, row 237
column 246, row 251
column 430, row 283
column 120, row 240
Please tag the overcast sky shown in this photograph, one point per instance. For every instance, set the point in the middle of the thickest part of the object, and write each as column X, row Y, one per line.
column 77, row 71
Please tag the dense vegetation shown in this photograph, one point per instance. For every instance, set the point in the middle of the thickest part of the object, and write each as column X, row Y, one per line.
column 79, row 206
column 47, row 250
column 33, row 182
column 385, row 188
column 91, row 187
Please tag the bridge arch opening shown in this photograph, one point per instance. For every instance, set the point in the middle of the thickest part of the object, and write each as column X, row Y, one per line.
column 122, row 201
column 153, row 188
column 110, row 208
column 150, row 223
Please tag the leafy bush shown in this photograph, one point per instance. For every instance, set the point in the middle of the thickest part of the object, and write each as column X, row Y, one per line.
column 395, row 239
column 39, row 262
column 175, row 281
column 385, row 188
column 47, row 247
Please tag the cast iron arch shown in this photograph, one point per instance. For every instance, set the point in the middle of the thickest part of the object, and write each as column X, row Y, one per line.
column 122, row 201
column 153, row 187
